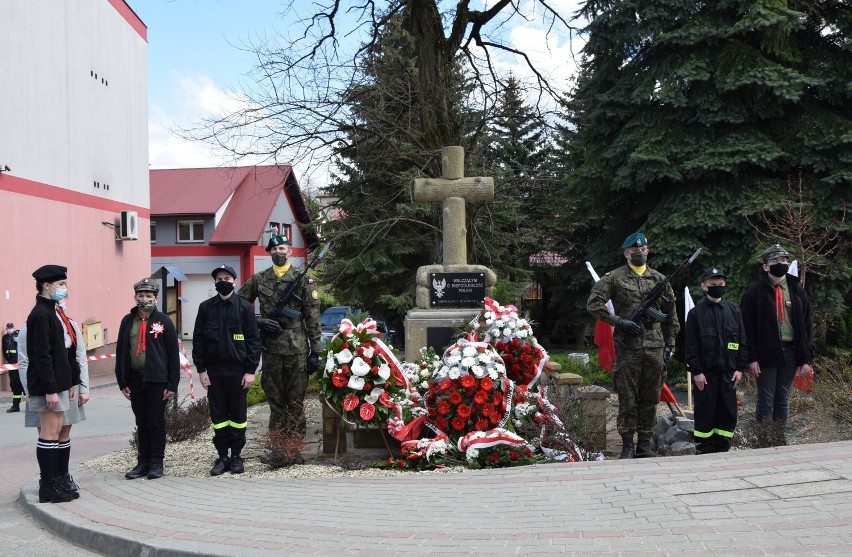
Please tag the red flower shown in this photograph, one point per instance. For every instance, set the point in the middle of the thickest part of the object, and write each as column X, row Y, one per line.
column 463, row 410
column 397, row 377
column 445, row 384
column 339, row 380
column 456, row 397
column 516, row 342
column 386, row 400
column 498, row 398
column 486, row 383
column 520, row 399
column 528, row 452
column 480, row 397
column 468, row 381
column 374, row 370
column 350, row 402
column 458, row 423
column 495, row 419
column 486, row 410
column 441, row 422
column 514, row 455
column 522, row 388
column 493, row 457
column 481, row 425
column 367, row 411
column 507, row 357
column 344, row 346
column 368, row 387
column 443, row 407
column 359, row 351
column 344, row 369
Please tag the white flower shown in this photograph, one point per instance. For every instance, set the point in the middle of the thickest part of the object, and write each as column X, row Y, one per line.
column 356, row 383
column 344, row 356
column 472, row 454
column 359, row 367
column 507, row 332
column 384, row 372
column 484, row 358
column 329, row 363
column 424, row 373
column 368, row 352
column 478, row 371
column 499, row 322
column 454, row 373
column 453, row 359
column 468, row 362
column 418, row 411
column 469, row 351
column 455, row 352
column 492, row 373
column 424, row 385
column 522, row 333
column 374, row 395
column 489, row 321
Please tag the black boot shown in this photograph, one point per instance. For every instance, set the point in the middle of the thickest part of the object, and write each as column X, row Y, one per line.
column 138, row 471
column 16, row 406
column 70, row 485
column 627, row 449
column 220, row 466
column 236, row 465
column 643, row 448
column 155, row 470
column 51, row 491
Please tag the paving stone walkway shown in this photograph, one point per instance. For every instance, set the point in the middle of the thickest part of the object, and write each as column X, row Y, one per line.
column 784, row 501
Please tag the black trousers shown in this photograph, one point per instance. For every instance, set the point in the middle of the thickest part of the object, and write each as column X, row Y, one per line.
column 715, row 413
column 15, row 383
column 228, row 412
column 149, row 408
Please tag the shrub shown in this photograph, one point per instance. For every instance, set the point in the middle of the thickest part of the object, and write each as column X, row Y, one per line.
column 255, row 394
column 183, row 421
column 283, row 448
column 833, row 384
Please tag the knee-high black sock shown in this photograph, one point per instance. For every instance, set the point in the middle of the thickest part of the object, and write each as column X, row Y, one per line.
column 46, row 455
column 64, row 452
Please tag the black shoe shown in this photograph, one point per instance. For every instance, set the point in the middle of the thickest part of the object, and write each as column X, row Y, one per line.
column 220, row 466
column 69, row 485
column 236, row 465
column 51, row 491
column 138, row 471
column 14, row 408
column 627, row 449
column 643, row 449
column 155, row 470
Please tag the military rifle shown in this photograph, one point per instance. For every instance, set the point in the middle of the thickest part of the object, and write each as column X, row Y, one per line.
column 646, row 311
column 281, row 308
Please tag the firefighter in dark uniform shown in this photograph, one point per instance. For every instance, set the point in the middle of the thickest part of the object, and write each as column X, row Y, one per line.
column 640, row 348
column 716, row 353
column 288, row 342
column 10, row 353
column 226, row 351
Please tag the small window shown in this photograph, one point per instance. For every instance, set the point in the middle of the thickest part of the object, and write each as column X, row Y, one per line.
column 190, row 231
column 286, row 230
column 274, row 228
column 153, row 232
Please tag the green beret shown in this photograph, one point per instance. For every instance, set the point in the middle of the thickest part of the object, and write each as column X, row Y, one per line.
column 772, row 252
column 147, row 285
column 277, row 240
column 635, row 240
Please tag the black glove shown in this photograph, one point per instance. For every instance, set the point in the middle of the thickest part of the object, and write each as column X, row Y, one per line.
column 629, row 327
column 668, row 352
column 269, row 326
column 313, row 362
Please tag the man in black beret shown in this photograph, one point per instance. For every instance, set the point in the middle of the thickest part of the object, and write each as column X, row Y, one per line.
column 226, row 352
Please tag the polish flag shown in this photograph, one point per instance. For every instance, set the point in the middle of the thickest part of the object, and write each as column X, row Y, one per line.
column 604, row 333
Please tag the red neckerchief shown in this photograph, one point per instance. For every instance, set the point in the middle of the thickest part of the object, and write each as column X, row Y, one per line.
column 140, row 340
column 779, row 302
column 67, row 323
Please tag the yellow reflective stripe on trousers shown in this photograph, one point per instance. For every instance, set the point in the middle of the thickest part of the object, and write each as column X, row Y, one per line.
column 702, row 434
column 220, row 425
column 239, row 426
column 724, row 433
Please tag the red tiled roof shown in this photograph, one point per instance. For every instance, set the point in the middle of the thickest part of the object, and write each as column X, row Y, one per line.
column 203, row 191
column 193, row 191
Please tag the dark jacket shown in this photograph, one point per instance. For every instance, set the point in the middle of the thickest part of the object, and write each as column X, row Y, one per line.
column 226, row 337
column 761, row 323
column 52, row 367
column 162, row 357
column 10, row 348
column 715, row 339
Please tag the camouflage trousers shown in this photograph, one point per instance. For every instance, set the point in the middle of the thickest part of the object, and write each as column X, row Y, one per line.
column 639, row 378
column 284, row 380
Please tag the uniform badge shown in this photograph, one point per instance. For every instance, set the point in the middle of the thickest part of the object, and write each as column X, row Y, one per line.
column 315, row 295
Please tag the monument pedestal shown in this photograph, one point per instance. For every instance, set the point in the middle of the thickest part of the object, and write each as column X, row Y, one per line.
column 433, row 327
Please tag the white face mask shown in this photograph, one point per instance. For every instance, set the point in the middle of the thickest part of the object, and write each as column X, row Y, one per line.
column 10, row 331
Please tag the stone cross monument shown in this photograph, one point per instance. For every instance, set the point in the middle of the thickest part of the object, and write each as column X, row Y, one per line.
column 445, row 290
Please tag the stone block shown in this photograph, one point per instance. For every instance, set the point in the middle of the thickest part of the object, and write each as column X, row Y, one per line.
column 663, row 424
column 685, row 424
column 568, row 379
column 580, row 357
column 593, row 399
column 689, row 414
column 682, row 448
column 419, row 321
column 675, row 434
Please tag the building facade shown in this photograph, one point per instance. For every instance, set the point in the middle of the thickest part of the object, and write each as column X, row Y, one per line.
column 74, row 136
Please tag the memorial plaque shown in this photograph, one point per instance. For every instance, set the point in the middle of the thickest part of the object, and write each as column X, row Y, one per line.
column 456, row 289
column 439, row 338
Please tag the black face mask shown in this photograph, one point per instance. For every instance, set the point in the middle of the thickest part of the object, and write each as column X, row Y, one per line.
column 279, row 259
column 638, row 259
column 716, row 291
column 224, row 287
column 778, row 270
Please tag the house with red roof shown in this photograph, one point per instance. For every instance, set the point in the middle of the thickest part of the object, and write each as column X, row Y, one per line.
column 205, row 217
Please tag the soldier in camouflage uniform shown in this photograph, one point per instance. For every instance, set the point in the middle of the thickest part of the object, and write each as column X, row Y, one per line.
column 640, row 348
column 286, row 348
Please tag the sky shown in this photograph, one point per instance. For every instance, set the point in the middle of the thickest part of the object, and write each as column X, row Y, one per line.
column 198, row 63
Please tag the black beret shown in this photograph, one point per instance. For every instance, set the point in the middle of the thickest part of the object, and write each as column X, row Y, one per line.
column 50, row 273
column 711, row 272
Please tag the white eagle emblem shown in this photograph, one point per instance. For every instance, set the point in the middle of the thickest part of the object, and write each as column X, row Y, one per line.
column 157, row 328
column 439, row 287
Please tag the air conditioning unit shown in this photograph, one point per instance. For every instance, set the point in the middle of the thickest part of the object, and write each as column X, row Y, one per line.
column 128, row 225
